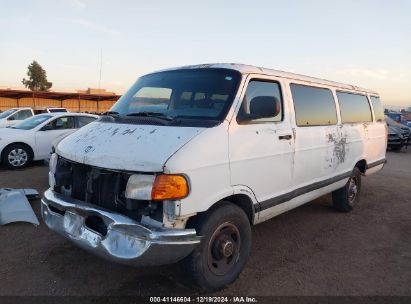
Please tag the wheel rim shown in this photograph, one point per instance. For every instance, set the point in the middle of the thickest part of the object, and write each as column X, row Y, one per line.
column 224, row 249
column 17, row 157
column 352, row 190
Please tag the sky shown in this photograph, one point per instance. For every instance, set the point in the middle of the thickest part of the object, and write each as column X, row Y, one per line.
column 362, row 42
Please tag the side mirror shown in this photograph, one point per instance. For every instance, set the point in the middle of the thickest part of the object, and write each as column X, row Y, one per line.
column 11, row 118
column 263, row 107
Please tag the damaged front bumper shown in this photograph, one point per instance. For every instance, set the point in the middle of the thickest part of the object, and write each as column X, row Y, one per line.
column 124, row 240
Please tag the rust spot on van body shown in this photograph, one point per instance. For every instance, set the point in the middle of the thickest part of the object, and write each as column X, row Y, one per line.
column 339, row 142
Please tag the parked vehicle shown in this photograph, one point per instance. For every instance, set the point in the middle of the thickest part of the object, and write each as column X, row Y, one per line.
column 40, row 110
column 189, row 158
column 398, row 134
column 16, row 115
column 397, row 117
column 13, row 116
column 32, row 138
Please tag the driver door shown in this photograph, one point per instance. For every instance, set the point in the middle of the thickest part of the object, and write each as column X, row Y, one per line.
column 53, row 131
column 261, row 149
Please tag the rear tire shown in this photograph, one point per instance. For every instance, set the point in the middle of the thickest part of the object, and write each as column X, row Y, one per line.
column 396, row 148
column 16, row 156
column 220, row 257
column 345, row 198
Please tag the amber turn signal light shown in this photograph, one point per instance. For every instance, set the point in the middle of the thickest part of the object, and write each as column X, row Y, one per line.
column 169, row 187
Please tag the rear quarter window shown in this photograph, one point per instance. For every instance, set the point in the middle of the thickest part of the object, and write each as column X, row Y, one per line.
column 313, row 106
column 378, row 108
column 354, row 108
column 84, row 120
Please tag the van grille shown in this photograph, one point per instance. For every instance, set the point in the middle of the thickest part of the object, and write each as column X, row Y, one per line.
column 104, row 188
column 101, row 187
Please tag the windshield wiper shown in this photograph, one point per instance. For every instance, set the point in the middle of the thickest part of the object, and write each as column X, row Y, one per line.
column 152, row 114
column 111, row 113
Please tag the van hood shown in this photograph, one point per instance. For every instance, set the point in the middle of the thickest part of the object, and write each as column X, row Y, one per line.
column 143, row 148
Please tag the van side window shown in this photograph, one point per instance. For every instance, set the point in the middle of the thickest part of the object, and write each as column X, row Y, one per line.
column 378, row 108
column 313, row 106
column 354, row 107
column 262, row 102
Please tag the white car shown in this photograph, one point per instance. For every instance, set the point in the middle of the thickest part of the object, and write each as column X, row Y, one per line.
column 32, row 139
column 14, row 116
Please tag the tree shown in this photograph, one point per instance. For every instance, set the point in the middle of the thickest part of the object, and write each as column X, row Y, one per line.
column 37, row 78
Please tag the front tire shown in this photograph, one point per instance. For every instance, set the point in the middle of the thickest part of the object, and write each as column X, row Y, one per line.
column 220, row 257
column 346, row 198
column 16, row 156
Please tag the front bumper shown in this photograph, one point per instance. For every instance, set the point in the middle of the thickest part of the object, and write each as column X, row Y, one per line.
column 126, row 241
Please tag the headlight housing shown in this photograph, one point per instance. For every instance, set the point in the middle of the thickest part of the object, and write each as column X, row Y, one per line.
column 139, row 186
column 157, row 188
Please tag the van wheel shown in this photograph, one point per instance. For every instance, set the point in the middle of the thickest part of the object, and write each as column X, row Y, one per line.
column 16, row 156
column 220, row 257
column 346, row 198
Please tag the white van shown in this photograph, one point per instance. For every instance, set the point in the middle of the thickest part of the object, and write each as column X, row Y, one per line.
column 189, row 158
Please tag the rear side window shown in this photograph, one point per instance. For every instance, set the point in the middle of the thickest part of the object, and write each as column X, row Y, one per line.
column 84, row 120
column 313, row 106
column 378, row 108
column 354, row 107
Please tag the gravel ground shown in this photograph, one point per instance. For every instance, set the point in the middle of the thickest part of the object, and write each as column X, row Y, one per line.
column 311, row 250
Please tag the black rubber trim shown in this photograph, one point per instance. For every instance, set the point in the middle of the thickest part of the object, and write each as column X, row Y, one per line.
column 377, row 163
column 300, row 191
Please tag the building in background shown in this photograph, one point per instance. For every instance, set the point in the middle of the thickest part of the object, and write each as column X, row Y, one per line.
column 90, row 100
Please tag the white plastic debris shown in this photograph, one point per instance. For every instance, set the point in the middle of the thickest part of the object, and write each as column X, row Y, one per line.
column 15, row 207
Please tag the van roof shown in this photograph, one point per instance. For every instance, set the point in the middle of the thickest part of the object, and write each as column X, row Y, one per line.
column 250, row 69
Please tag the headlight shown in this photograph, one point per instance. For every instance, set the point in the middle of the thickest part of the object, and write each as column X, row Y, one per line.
column 157, row 188
column 139, row 186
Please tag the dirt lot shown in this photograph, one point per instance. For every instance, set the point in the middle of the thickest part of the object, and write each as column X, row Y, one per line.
column 311, row 250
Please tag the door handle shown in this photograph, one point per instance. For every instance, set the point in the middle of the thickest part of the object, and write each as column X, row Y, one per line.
column 285, row 137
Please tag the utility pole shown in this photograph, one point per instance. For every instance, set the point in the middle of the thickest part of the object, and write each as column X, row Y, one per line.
column 99, row 80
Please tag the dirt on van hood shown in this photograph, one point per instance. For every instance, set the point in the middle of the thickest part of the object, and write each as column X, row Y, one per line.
column 143, row 148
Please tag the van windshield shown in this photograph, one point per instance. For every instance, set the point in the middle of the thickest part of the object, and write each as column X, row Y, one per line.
column 7, row 113
column 186, row 94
